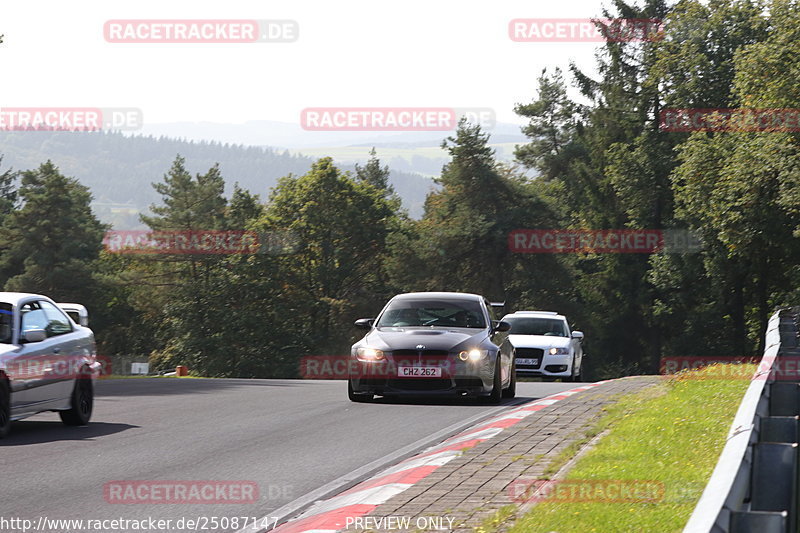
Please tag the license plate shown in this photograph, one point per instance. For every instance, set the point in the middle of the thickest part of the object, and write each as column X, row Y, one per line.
column 419, row 372
column 524, row 361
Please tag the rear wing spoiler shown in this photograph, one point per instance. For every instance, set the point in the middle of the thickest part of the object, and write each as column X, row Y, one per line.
column 497, row 304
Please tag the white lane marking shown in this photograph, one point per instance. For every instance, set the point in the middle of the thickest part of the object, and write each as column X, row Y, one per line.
column 544, row 402
column 482, row 434
column 371, row 496
column 520, row 414
column 437, row 459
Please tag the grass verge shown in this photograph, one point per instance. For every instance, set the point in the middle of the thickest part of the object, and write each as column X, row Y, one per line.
column 668, row 437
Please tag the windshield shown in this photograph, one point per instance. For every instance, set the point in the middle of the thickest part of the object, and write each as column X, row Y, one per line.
column 537, row 326
column 447, row 313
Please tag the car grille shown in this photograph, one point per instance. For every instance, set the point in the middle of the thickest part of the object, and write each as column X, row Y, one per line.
column 418, row 352
column 529, row 353
column 409, row 384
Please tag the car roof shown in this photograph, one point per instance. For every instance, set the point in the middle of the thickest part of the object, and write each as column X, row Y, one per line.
column 439, row 295
column 538, row 314
column 77, row 307
column 14, row 298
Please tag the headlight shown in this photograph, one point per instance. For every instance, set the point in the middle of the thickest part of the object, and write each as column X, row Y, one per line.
column 369, row 354
column 559, row 351
column 472, row 355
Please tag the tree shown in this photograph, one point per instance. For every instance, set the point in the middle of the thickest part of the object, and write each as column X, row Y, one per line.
column 551, row 128
column 374, row 174
column 8, row 191
column 49, row 245
column 188, row 204
column 461, row 243
column 341, row 225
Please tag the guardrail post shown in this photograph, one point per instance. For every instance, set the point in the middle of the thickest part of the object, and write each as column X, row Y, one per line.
column 784, row 399
column 779, row 429
column 774, row 479
column 759, row 522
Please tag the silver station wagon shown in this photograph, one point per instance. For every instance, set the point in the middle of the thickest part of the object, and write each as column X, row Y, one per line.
column 47, row 361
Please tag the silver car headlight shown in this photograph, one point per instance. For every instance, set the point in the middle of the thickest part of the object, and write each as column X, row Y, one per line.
column 558, row 351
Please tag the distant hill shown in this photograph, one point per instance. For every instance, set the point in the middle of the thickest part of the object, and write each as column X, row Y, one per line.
column 293, row 136
column 119, row 169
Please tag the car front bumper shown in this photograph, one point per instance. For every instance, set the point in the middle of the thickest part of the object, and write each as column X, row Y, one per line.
column 555, row 366
column 457, row 378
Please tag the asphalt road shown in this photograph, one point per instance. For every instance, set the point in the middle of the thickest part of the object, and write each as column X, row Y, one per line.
column 288, row 437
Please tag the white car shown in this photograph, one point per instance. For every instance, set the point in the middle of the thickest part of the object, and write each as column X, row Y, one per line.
column 76, row 312
column 47, row 362
column 544, row 346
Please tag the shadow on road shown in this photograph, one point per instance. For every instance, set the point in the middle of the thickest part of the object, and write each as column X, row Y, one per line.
column 27, row 432
column 435, row 400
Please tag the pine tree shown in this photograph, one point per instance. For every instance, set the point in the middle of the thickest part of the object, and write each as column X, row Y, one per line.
column 49, row 244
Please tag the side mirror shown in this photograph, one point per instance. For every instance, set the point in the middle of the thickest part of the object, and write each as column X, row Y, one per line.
column 34, row 335
column 364, row 323
column 499, row 325
column 577, row 335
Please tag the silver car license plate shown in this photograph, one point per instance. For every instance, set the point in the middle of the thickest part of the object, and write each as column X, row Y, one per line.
column 527, row 361
column 419, row 371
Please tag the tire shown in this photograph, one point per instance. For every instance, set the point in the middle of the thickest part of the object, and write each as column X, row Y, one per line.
column 496, row 395
column 82, row 403
column 5, row 408
column 511, row 391
column 571, row 378
column 579, row 375
column 355, row 397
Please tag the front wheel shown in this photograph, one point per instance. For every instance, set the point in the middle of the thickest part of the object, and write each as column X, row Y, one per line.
column 5, row 408
column 82, row 403
column 579, row 373
column 497, row 386
column 355, row 397
column 511, row 391
column 571, row 377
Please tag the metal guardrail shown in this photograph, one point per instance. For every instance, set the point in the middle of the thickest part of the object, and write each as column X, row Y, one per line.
column 754, row 486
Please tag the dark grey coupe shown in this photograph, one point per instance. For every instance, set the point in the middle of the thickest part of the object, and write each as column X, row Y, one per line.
column 433, row 343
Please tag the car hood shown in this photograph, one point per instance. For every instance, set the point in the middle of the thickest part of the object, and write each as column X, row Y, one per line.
column 538, row 341
column 432, row 338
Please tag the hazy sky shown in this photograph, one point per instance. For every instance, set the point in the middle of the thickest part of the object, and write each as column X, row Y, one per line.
column 349, row 53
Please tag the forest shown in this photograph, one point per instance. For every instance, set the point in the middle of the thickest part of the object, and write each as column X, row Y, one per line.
column 602, row 161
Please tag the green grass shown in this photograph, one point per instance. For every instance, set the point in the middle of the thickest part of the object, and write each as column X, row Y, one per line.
column 672, row 434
